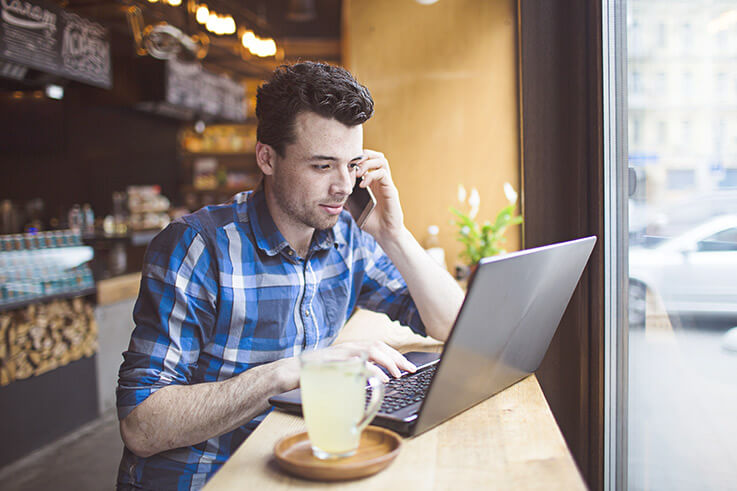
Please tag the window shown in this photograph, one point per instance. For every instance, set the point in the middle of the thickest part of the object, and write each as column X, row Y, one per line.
column 722, row 39
column 726, row 240
column 685, row 132
column 636, row 132
column 730, row 179
column 720, row 132
column 660, row 84
column 729, row 235
column 721, row 84
column 686, row 37
column 662, row 132
column 688, row 88
column 677, row 179
column 635, row 82
column 679, row 381
column 662, row 35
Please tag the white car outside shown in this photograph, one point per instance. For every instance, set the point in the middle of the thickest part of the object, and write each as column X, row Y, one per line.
column 694, row 272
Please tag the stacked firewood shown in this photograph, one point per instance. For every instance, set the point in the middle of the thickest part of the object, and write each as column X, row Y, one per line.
column 44, row 336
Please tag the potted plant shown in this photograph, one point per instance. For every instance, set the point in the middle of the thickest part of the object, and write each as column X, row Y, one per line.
column 487, row 239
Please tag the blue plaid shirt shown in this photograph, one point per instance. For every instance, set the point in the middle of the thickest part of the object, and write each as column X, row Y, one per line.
column 221, row 292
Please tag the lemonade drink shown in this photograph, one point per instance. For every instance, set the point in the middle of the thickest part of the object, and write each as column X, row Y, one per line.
column 333, row 395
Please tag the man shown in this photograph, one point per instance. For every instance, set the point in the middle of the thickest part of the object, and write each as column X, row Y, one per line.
column 231, row 293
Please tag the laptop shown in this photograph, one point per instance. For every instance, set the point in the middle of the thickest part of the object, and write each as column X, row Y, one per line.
column 512, row 308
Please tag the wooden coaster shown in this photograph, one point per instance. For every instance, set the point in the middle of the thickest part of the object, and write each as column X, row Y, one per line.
column 376, row 450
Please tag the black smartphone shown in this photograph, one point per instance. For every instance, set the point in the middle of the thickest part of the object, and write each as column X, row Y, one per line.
column 360, row 203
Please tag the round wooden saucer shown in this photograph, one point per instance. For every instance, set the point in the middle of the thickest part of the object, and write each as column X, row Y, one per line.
column 377, row 448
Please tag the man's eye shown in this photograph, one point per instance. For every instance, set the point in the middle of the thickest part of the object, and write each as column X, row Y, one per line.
column 353, row 166
column 321, row 166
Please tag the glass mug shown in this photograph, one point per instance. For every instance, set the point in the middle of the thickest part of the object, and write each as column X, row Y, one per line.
column 333, row 388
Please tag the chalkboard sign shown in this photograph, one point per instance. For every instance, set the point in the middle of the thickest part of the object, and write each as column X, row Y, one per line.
column 191, row 86
column 44, row 36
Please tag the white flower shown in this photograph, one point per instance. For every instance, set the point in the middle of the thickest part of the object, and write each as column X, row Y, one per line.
column 461, row 194
column 510, row 193
column 465, row 230
column 475, row 201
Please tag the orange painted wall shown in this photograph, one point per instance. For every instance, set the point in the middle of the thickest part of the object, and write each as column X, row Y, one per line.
column 444, row 79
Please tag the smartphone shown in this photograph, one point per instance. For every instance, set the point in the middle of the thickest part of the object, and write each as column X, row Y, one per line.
column 360, row 203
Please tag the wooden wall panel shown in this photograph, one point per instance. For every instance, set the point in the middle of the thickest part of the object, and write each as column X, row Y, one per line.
column 444, row 79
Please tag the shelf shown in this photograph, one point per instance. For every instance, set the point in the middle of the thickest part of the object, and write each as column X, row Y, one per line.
column 17, row 304
column 194, row 155
column 218, row 190
column 134, row 237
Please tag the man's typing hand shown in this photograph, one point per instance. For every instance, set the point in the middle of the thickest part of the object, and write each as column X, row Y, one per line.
column 377, row 352
column 381, row 354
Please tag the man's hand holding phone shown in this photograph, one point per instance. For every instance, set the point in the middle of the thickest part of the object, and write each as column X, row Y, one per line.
column 373, row 174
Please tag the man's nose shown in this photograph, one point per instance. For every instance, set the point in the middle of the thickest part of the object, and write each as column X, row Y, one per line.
column 343, row 184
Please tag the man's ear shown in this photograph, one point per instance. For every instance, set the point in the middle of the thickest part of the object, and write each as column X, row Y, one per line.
column 265, row 157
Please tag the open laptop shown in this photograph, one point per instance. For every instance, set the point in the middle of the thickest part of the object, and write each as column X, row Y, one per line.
column 511, row 311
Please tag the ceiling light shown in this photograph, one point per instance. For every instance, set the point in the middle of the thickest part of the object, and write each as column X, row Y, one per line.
column 202, row 14
column 248, row 39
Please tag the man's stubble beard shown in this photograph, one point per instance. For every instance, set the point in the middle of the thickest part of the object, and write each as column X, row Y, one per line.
column 300, row 212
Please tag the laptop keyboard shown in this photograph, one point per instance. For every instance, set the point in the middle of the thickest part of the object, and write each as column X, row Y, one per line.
column 402, row 392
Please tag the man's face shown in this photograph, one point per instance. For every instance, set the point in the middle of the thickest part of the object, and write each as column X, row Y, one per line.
column 313, row 179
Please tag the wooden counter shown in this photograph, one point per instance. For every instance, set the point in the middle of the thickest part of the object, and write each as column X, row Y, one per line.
column 510, row 441
column 117, row 289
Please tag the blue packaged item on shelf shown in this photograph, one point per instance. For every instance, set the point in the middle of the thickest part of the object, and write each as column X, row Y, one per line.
column 34, row 266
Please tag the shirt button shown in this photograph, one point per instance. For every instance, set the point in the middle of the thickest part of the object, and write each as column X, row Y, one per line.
column 307, row 313
column 291, row 253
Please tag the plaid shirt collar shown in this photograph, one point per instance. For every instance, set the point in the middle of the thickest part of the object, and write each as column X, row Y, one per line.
column 267, row 236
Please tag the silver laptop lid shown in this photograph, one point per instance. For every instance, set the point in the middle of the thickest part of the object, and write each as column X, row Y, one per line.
column 511, row 311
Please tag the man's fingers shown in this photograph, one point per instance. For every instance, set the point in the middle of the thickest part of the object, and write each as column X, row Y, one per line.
column 402, row 362
column 385, row 360
column 399, row 362
column 379, row 373
column 373, row 162
column 382, row 354
column 407, row 365
column 370, row 177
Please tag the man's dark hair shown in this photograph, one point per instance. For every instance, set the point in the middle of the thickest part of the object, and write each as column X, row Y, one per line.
column 327, row 90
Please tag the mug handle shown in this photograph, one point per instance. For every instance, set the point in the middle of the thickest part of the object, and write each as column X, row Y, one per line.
column 377, row 396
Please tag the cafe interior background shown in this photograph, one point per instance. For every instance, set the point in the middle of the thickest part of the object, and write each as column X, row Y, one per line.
column 118, row 115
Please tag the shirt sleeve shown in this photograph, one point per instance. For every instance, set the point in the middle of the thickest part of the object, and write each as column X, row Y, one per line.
column 174, row 316
column 384, row 290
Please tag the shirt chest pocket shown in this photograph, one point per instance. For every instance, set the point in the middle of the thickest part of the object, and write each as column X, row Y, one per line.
column 335, row 299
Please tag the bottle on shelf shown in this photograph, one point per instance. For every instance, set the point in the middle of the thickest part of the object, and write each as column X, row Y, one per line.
column 88, row 219
column 75, row 218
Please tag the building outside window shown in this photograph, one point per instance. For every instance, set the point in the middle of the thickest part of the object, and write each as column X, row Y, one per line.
column 681, row 424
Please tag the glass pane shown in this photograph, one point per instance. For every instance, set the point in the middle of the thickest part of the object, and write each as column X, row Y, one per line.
column 682, row 125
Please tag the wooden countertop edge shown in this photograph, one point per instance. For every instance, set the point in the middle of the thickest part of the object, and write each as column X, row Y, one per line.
column 113, row 290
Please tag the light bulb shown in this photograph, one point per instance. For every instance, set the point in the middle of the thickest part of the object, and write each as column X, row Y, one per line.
column 270, row 47
column 212, row 21
column 202, row 14
column 248, row 39
column 229, row 25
